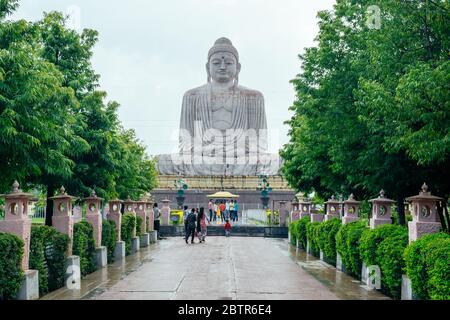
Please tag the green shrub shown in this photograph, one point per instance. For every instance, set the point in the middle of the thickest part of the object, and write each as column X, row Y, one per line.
column 84, row 246
column 109, row 238
column 293, row 232
column 128, row 225
column 371, row 239
column 301, row 230
column 312, row 235
column 427, row 266
column 347, row 245
column 138, row 226
column 11, row 273
column 384, row 246
column 389, row 257
column 327, row 238
column 48, row 255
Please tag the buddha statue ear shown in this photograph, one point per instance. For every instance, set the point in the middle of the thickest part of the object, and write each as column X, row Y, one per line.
column 238, row 70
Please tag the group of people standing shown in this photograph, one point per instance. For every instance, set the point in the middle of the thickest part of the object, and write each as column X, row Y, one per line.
column 196, row 220
column 223, row 210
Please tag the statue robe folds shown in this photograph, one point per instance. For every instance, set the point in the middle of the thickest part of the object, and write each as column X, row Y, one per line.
column 204, row 150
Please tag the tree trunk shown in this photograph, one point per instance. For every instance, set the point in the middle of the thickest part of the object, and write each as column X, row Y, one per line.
column 443, row 215
column 49, row 207
column 401, row 211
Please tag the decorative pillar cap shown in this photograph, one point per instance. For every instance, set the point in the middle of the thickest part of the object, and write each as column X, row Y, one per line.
column 382, row 198
column 424, row 195
column 17, row 193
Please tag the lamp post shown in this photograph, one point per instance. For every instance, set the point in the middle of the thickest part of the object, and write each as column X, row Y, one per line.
column 265, row 189
column 181, row 186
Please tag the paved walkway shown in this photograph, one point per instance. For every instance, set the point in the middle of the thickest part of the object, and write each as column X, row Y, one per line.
column 222, row 268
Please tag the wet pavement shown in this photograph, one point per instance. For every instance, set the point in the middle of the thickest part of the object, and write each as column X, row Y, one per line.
column 221, row 269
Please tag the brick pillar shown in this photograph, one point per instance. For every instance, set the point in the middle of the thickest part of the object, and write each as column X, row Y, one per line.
column 115, row 215
column 425, row 217
column 381, row 210
column 94, row 217
column 351, row 210
column 16, row 220
column 62, row 215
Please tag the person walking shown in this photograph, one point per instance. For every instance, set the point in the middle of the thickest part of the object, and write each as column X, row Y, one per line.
column 227, row 228
column 227, row 210
column 236, row 210
column 232, row 210
column 222, row 211
column 210, row 209
column 191, row 221
column 156, row 222
column 202, row 218
column 185, row 215
column 215, row 212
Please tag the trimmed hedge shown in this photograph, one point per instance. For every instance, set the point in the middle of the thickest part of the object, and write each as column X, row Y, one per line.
column 128, row 224
column 84, row 246
column 138, row 226
column 48, row 255
column 428, row 266
column 384, row 246
column 301, row 230
column 327, row 239
column 11, row 274
column 312, row 235
column 109, row 238
column 347, row 245
column 293, row 232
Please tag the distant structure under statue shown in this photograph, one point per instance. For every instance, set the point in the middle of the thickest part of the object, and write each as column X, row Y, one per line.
column 223, row 127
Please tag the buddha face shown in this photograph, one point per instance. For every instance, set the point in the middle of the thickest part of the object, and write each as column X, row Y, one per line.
column 223, row 67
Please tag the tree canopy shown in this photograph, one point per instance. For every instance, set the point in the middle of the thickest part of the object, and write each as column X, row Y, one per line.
column 372, row 102
column 56, row 127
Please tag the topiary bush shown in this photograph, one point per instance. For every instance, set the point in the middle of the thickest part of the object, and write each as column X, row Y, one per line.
column 347, row 245
column 109, row 238
column 48, row 255
column 293, row 232
column 11, row 273
column 389, row 257
column 301, row 230
column 138, row 226
column 371, row 239
column 312, row 235
column 128, row 225
column 327, row 239
column 428, row 267
column 384, row 246
column 84, row 246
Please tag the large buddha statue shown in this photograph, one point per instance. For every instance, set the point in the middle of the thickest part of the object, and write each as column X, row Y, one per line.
column 223, row 127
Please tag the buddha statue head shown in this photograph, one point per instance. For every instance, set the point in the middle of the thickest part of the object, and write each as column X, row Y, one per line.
column 223, row 63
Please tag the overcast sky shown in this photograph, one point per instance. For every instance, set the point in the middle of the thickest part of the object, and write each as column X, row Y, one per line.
column 151, row 52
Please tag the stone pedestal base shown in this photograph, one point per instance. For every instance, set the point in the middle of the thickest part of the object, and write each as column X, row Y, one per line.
column 331, row 216
column 102, row 256
column 308, row 247
column 119, row 252
column 153, row 236
column 29, row 290
column 339, row 265
column 135, row 245
column 317, row 217
column 417, row 229
column 321, row 255
column 145, row 240
column 302, row 215
column 73, row 273
column 407, row 293
column 348, row 219
column 377, row 222
column 364, row 273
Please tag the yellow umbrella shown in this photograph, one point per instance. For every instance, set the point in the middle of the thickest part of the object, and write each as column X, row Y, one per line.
column 223, row 195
